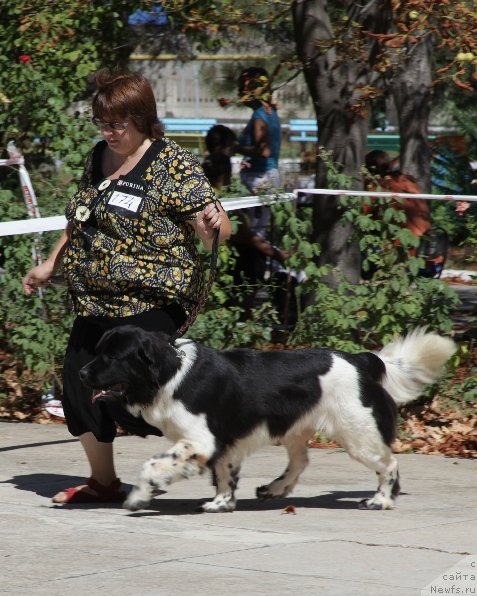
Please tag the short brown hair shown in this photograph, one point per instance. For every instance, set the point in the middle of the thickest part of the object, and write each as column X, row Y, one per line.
column 127, row 95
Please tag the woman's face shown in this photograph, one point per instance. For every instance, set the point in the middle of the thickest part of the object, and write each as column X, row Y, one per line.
column 121, row 135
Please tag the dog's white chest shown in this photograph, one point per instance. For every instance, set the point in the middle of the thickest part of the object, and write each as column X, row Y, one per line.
column 176, row 422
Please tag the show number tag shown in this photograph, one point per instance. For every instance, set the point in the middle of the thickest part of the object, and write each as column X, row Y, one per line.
column 125, row 201
column 127, row 197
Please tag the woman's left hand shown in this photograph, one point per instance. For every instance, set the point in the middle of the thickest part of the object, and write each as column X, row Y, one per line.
column 212, row 218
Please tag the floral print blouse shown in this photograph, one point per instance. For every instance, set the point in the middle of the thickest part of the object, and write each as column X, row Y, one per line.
column 131, row 248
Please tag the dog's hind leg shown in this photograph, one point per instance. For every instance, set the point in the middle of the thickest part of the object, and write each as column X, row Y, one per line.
column 388, row 488
column 226, row 476
column 380, row 459
column 183, row 460
column 298, row 460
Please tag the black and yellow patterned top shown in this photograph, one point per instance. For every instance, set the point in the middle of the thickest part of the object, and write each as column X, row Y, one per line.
column 131, row 248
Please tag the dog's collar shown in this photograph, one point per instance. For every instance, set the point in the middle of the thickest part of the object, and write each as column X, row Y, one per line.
column 179, row 353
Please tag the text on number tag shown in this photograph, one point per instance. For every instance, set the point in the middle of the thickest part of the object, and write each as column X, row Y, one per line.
column 125, row 201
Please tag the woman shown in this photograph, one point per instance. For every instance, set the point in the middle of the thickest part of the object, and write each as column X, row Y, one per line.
column 260, row 140
column 129, row 256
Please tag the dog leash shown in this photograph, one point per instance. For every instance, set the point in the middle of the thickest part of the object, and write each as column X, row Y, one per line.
column 204, row 296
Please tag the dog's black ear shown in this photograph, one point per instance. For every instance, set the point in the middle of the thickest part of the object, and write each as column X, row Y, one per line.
column 160, row 357
column 103, row 341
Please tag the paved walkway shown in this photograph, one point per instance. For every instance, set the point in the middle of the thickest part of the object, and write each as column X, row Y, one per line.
column 327, row 547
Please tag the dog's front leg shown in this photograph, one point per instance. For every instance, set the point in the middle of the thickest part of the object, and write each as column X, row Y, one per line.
column 183, row 460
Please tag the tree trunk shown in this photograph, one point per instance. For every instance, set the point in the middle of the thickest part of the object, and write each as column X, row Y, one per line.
column 411, row 88
column 334, row 83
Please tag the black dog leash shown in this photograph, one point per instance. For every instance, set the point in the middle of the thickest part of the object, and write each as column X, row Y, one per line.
column 205, row 294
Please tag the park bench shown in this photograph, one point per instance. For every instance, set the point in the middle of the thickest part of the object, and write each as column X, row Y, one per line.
column 383, row 142
column 305, row 130
column 189, row 132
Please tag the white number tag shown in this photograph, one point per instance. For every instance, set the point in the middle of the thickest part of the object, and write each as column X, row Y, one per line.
column 121, row 199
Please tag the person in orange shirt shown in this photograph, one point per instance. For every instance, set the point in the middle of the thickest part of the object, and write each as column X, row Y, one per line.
column 418, row 218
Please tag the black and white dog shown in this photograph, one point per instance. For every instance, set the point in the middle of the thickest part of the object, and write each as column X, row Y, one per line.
column 219, row 406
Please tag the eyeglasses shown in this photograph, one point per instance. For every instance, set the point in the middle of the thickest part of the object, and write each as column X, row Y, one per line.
column 118, row 126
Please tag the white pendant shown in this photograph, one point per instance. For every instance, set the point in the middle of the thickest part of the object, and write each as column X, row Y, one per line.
column 104, row 184
column 82, row 213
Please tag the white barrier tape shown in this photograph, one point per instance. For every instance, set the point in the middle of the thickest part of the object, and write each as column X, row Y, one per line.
column 390, row 195
column 30, row 226
column 48, row 224
column 58, row 222
column 235, row 203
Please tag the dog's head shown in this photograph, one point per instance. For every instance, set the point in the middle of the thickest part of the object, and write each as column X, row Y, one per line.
column 130, row 364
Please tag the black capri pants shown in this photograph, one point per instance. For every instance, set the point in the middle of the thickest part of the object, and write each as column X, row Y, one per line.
column 101, row 417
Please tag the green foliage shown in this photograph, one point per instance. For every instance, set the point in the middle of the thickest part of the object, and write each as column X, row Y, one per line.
column 452, row 173
column 47, row 52
column 393, row 300
column 461, row 396
column 32, row 328
column 223, row 328
column 390, row 300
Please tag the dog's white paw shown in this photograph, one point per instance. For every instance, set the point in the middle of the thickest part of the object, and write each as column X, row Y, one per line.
column 136, row 501
column 378, row 502
column 218, row 505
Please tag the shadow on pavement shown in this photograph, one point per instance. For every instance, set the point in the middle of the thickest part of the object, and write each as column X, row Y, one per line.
column 47, row 485
column 332, row 500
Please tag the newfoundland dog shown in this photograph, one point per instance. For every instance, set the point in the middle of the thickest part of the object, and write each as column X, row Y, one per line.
column 219, row 406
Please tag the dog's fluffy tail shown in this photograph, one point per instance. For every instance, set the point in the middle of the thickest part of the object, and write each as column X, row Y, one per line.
column 414, row 361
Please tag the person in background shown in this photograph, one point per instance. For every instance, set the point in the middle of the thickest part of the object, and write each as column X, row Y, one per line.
column 383, row 174
column 129, row 256
column 217, row 165
column 220, row 139
column 380, row 166
column 253, row 249
column 260, row 141
column 218, row 169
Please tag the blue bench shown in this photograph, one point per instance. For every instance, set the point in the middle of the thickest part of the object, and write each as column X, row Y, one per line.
column 307, row 130
column 194, row 125
column 189, row 132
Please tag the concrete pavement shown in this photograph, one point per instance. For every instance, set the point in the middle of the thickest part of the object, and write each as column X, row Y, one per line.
column 327, row 547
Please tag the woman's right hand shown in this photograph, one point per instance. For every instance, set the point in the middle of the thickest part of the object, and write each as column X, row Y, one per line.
column 41, row 274
column 37, row 277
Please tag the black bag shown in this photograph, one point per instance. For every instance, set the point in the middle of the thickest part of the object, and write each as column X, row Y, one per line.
column 433, row 249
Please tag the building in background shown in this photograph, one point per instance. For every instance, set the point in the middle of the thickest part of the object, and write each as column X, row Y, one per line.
column 190, row 89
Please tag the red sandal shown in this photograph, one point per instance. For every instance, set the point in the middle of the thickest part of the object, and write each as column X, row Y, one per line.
column 104, row 494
